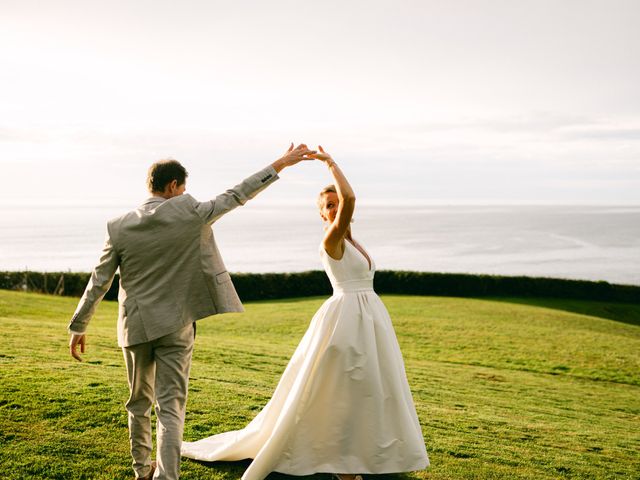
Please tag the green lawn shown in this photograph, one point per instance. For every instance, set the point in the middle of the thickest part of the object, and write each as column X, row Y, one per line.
column 509, row 388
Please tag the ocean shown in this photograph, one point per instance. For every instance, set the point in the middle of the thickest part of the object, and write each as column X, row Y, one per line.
column 578, row 242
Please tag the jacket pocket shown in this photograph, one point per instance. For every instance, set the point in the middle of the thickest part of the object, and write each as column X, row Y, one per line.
column 130, row 327
column 223, row 277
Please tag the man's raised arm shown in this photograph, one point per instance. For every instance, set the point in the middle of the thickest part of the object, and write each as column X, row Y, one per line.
column 212, row 210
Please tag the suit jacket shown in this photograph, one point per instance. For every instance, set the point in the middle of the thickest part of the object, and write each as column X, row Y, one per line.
column 171, row 272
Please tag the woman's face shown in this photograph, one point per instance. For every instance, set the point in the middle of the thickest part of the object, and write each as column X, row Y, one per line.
column 329, row 206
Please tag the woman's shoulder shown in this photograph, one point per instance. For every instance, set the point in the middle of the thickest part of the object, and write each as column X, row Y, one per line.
column 325, row 253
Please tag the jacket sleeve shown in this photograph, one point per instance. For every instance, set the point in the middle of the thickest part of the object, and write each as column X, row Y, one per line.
column 99, row 283
column 212, row 210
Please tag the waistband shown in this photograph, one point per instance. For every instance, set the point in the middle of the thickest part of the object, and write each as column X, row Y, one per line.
column 350, row 286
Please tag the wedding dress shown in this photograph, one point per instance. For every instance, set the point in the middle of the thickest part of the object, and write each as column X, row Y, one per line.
column 343, row 403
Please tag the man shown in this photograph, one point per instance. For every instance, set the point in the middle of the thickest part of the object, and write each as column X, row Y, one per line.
column 171, row 274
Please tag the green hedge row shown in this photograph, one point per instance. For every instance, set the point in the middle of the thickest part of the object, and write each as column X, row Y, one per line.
column 263, row 286
column 476, row 285
column 58, row 283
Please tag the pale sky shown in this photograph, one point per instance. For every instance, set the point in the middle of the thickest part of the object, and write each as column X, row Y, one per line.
column 442, row 102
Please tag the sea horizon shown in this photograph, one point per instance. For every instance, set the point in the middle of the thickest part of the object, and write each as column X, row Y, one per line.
column 584, row 241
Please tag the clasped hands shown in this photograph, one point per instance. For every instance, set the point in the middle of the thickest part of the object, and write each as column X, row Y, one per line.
column 299, row 153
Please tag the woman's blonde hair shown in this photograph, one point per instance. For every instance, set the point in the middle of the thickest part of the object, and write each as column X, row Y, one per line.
column 329, row 188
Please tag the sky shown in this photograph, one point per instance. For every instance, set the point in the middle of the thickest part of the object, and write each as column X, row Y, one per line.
column 420, row 102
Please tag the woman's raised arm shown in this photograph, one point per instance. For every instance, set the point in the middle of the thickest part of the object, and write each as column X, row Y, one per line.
column 333, row 241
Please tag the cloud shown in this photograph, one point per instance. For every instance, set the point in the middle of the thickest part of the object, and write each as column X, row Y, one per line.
column 19, row 135
column 499, row 158
column 601, row 133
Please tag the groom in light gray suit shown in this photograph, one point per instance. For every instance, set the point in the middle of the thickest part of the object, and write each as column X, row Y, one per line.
column 171, row 274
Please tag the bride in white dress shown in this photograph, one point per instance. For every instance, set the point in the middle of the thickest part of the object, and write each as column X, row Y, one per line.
column 343, row 403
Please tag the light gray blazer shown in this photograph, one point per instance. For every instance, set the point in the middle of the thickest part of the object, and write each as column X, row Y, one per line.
column 171, row 272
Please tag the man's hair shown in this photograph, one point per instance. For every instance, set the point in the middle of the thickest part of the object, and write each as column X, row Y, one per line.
column 164, row 172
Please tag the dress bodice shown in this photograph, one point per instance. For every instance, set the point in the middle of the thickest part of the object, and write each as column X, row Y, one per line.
column 352, row 272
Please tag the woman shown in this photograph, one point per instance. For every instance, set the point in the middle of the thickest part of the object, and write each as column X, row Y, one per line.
column 343, row 404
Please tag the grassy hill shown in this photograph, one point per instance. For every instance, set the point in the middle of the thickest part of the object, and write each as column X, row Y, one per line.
column 505, row 389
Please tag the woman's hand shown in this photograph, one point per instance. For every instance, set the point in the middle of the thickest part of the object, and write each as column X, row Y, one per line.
column 322, row 155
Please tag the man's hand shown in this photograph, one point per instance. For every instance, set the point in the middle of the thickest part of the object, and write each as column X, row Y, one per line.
column 293, row 156
column 73, row 344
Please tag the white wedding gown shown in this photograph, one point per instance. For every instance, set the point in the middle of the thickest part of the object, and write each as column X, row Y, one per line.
column 343, row 404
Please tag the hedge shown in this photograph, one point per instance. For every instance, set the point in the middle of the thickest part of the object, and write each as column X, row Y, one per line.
column 58, row 283
column 263, row 286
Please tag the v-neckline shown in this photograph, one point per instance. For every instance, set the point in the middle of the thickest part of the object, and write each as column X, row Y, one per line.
column 362, row 252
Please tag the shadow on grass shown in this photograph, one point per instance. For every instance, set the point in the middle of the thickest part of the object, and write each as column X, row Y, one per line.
column 236, row 469
column 288, row 299
column 620, row 312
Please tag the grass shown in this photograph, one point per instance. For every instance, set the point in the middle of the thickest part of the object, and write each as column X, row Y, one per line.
column 504, row 388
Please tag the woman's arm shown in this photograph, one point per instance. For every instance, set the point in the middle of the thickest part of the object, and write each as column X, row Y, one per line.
column 333, row 241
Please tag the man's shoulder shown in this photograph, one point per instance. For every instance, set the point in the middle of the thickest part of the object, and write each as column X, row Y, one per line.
column 180, row 202
column 185, row 198
column 121, row 217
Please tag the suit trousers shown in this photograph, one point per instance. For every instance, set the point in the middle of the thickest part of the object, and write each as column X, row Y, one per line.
column 158, row 370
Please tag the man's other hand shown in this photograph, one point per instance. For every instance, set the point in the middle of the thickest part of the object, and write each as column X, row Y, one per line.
column 73, row 345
